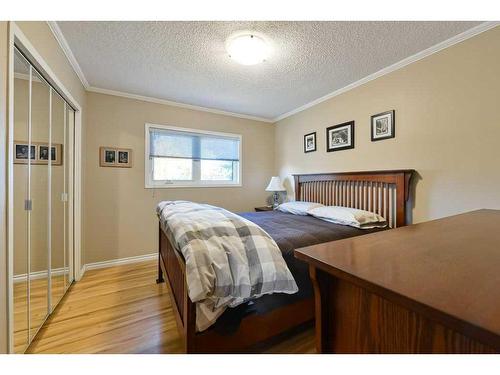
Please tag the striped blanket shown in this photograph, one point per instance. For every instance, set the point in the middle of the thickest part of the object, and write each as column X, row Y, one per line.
column 229, row 259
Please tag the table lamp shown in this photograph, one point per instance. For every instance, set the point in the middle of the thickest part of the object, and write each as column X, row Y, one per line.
column 275, row 186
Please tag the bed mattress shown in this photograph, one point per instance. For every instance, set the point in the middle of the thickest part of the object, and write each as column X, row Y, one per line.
column 290, row 232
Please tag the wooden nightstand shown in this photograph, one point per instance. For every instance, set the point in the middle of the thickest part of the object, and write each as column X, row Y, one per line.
column 263, row 208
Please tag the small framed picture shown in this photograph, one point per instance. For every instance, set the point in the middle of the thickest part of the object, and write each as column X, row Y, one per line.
column 124, row 158
column 310, row 142
column 115, row 157
column 21, row 152
column 383, row 126
column 55, row 154
column 107, row 156
column 43, row 153
column 340, row 137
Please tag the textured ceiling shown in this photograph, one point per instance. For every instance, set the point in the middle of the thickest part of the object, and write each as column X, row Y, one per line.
column 186, row 62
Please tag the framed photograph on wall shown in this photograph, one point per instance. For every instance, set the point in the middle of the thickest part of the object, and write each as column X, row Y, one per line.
column 124, row 158
column 310, row 142
column 43, row 153
column 340, row 137
column 383, row 126
column 55, row 154
column 39, row 153
column 107, row 156
column 115, row 157
column 21, row 152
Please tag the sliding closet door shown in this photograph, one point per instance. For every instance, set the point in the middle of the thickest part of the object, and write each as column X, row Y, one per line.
column 20, row 214
column 69, row 134
column 58, row 199
column 42, row 217
column 40, row 208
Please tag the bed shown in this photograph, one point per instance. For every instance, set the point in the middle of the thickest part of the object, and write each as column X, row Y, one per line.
column 240, row 328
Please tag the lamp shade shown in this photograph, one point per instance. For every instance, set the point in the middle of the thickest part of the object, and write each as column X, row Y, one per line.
column 275, row 185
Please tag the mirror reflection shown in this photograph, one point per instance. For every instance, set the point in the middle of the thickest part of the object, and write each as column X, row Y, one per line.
column 42, row 243
column 39, row 192
column 21, row 173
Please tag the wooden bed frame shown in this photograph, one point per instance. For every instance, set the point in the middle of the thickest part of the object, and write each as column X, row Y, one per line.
column 384, row 192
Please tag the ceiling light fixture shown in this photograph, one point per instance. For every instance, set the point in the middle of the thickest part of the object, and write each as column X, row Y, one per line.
column 247, row 49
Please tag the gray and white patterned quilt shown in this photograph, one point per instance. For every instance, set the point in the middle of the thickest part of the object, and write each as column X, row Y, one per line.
column 229, row 259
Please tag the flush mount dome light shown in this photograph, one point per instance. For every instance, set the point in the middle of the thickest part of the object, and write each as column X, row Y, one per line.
column 247, row 49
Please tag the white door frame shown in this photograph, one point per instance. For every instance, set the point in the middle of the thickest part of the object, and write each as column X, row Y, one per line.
column 16, row 36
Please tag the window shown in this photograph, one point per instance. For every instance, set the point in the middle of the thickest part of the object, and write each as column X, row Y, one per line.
column 179, row 157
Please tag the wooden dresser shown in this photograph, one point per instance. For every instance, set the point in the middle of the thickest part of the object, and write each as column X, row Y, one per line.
column 427, row 288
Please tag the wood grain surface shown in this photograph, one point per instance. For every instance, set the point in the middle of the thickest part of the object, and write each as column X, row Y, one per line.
column 444, row 270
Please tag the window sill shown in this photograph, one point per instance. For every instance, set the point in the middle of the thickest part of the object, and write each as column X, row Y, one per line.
column 174, row 186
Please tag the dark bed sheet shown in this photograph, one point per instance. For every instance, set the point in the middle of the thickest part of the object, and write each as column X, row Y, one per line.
column 294, row 231
column 290, row 232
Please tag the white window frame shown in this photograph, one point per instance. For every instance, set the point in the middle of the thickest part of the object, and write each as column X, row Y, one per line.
column 148, row 166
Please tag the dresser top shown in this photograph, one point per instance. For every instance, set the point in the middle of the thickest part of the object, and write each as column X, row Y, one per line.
column 447, row 269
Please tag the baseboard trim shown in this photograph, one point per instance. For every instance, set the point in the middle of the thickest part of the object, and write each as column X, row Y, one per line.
column 38, row 275
column 89, row 266
column 117, row 262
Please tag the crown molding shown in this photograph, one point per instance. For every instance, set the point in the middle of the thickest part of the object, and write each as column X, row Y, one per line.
column 56, row 31
column 485, row 26
column 175, row 104
column 26, row 77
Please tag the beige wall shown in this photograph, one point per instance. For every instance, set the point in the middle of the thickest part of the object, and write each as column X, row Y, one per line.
column 447, row 128
column 44, row 42
column 120, row 216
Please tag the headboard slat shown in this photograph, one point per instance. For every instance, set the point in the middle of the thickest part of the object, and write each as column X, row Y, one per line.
column 382, row 192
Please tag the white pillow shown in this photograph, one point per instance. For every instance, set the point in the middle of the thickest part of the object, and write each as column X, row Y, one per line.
column 349, row 216
column 298, row 207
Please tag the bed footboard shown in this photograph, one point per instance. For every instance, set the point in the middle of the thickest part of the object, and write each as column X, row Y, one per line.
column 171, row 263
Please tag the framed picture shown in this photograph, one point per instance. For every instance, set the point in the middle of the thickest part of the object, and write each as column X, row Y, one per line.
column 39, row 153
column 310, row 142
column 43, row 153
column 55, row 154
column 383, row 125
column 124, row 157
column 21, row 152
column 115, row 157
column 340, row 137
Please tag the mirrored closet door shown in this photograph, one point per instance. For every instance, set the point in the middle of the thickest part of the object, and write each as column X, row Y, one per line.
column 38, row 225
column 21, row 195
column 43, row 131
column 58, row 206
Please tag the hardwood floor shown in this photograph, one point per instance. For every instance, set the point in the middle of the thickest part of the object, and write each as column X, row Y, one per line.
column 122, row 310
column 39, row 308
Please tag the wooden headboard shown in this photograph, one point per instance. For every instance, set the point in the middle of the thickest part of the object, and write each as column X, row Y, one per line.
column 382, row 192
